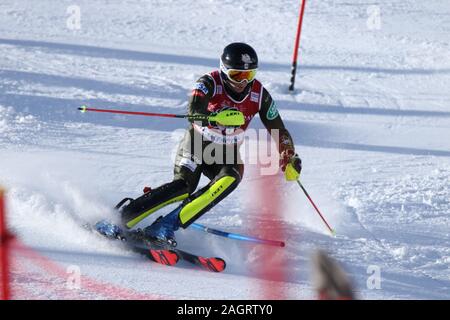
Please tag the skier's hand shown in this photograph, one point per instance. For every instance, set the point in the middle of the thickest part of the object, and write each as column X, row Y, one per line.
column 212, row 122
column 291, row 164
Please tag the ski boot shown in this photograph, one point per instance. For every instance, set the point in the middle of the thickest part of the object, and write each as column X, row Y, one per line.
column 162, row 232
column 109, row 230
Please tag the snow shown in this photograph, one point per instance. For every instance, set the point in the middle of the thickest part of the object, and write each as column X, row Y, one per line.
column 370, row 117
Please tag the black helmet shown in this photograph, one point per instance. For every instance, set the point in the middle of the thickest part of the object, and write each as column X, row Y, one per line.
column 239, row 56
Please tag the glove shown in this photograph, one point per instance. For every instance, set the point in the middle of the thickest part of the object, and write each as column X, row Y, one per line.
column 212, row 122
column 290, row 164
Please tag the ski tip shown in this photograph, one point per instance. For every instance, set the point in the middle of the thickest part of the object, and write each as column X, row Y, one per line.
column 83, row 109
column 333, row 232
column 282, row 244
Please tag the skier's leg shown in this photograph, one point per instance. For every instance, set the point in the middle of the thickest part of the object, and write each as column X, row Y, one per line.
column 162, row 231
column 142, row 207
column 227, row 179
column 186, row 178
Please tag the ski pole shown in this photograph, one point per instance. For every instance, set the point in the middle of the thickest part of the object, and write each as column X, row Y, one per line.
column 237, row 236
column 227, row 117
column 333, row 233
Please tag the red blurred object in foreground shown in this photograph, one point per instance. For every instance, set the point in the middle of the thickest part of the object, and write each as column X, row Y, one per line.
column 4, row 249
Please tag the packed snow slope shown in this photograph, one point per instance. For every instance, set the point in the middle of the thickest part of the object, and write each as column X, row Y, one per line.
column 370, row 117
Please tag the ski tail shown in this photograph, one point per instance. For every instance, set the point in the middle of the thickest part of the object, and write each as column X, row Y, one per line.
column 159, row 255
column 165, row 257
column 212, row 264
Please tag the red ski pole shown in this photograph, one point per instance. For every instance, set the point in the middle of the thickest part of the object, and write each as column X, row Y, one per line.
column 333, row 233
column 148, row 114
column 297, row 44
column 227, row 117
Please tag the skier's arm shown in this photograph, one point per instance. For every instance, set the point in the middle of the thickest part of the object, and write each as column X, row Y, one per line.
column 200, row 96
column 270, row 117
column 272, row 121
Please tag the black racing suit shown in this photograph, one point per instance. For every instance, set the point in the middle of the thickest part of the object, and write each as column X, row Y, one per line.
column 224, row 176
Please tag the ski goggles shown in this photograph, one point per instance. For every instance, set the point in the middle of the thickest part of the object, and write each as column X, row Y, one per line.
column 239, row 76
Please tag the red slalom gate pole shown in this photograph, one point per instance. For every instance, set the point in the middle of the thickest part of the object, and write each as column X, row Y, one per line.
column 4, row 252
column 297, row 44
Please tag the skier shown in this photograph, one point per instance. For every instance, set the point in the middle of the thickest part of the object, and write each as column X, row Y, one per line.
column 235, row 87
